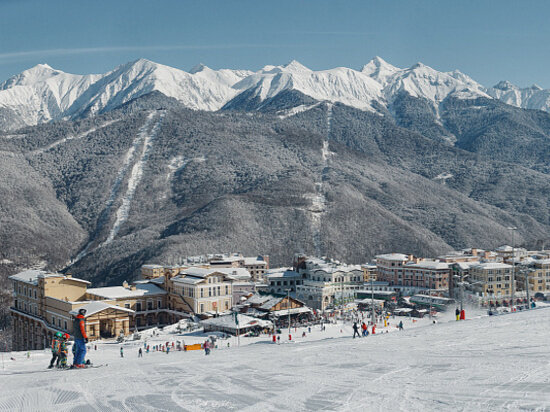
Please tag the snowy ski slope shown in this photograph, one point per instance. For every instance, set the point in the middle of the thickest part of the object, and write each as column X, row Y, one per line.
column 485, row 364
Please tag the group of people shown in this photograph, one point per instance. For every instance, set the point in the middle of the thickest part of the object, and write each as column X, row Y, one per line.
column 60, row 343
column 365, row 329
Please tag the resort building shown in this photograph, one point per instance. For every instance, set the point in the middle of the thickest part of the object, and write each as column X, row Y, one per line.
column 327, row 283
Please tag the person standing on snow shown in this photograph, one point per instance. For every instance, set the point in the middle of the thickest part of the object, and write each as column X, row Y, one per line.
column 206, row 347
column 140, row 353
column 56, row 342
column 80, row 338
column 457, row 313
column 364, row 328
column 121, row 352
column 400, row 325
column 63, row 351
column 355, row 330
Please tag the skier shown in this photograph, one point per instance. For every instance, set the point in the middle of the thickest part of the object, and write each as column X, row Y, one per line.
column 80, row 338
column 355, row 330
column 56, row 341
column 364, row 328
column 206, row 347
column 140, row 353
column 457, row 313
column 400, row 325
column 63, row 351
column 121, row 352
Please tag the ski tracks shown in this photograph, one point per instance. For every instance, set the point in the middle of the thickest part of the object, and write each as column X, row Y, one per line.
column 144, row 140
column 72, row 137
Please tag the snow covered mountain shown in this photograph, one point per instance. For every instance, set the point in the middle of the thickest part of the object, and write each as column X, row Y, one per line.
column 533, row 97
column 41, row 94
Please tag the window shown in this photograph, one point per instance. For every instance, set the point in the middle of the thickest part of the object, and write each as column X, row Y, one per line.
column 209, row 291
column 202, row 293
column 219, row 290
column 226, row 304
column 127, row 305
column 159, row 304
column 202, row 308
column 65, row 325
column 53, row 320
column 138, row 307
column 59, row 322
column 226, row 290
column 149, row 305
column 35, row 294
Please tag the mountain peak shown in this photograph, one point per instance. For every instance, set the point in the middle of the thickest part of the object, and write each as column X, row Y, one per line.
column 296, row 66
column 505, row 85
column 379, row 69
column 199, row 68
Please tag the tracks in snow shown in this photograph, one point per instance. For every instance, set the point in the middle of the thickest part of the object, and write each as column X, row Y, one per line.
column 144, row 141
column 318, row 200
column 72, row 137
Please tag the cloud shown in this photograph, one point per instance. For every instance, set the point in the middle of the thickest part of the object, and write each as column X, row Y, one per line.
column 22, row 55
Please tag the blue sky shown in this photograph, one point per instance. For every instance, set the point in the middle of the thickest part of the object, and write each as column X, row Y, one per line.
column 488, row 40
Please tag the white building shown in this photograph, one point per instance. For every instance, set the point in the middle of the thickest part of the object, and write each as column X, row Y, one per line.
column 327, row 282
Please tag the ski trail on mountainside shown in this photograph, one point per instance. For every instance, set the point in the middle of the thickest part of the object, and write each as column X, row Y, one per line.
column 318, row 200
column 73, row 137
column 135, row 178
column 116, row 187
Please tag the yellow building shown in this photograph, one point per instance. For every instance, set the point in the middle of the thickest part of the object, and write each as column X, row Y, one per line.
column 539, row 276
column 45, row 303
column 494, row 281
column 199, row 291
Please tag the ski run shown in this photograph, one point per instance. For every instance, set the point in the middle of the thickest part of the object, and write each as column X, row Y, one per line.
column 144, row 140
column 487, row 363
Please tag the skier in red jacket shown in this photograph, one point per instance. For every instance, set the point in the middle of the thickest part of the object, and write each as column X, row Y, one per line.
column 80, row 338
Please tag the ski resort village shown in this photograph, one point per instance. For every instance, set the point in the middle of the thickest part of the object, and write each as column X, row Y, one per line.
column 237, row 295
column 385, row 326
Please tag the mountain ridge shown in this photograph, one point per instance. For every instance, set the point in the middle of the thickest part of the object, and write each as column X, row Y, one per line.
column 42, row 94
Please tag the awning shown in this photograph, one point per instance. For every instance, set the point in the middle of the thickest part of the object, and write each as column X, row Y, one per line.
column 292, row 311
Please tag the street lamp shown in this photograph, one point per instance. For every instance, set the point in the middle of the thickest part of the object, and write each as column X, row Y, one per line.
column 513, row 229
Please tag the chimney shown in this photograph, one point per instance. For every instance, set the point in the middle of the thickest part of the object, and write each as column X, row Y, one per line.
column 68, row 276
column 125, row 285
column 133, row 287
column 474, row 251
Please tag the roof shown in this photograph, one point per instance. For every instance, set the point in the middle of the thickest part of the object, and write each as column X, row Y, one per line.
column 259, row 299
column 95, row 307
column 228, row 322
column 190, row 280
column 235, row 273
column 254, row 261
column 466, row 265
column 429, row 264
column 393, row 256
column 270, row 303
column 116, row 292
column 291, row 311
column 152, row 267
column 287, row 273
column 492, row 265
column 32, row 276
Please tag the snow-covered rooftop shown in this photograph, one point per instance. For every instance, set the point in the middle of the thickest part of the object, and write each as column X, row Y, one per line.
column 117, row 292
column 492, row 265
column 228, row 322
column 429, row 264
column 31, row 276
column 98, row 306
column 393, row 256
column 283, row 274
column 190, row 280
